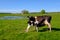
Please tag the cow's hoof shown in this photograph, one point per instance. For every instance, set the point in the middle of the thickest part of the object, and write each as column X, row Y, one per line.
column 26, row 31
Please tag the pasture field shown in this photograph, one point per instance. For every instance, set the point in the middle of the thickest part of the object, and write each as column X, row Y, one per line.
column 15, row 29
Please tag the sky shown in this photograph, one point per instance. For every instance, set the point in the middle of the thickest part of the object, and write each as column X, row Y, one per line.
column 16, row 6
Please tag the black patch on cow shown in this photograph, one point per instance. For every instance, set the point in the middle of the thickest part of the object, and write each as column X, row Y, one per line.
column 29, row 22
column 40, row 25
column 32, row 18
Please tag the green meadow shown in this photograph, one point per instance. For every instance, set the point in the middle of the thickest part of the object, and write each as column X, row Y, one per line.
column 15, row 29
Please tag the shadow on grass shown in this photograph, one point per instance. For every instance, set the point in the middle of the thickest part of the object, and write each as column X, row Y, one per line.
column 46, row 29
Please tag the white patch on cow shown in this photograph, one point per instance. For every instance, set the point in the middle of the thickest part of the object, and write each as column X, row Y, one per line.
column 35, row 17
column 45, row 22
column 36, row 22
column 31, row 21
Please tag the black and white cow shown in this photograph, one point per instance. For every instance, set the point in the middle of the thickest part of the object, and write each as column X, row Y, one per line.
column 39, row 21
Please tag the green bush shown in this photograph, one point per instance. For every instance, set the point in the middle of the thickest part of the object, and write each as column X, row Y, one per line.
column 25, row 12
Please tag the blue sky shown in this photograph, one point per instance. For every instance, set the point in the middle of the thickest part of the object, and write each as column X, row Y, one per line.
column 30, row 5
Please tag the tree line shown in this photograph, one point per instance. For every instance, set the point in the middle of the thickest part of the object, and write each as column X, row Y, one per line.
column 27, row 12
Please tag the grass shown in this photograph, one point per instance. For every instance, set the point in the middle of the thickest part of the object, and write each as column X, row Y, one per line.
column 15, row 29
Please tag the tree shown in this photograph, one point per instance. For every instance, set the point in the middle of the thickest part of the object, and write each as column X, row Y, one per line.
column 43, row 11
column 25, row 12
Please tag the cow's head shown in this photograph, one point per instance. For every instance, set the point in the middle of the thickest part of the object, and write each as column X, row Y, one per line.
column 31, row 20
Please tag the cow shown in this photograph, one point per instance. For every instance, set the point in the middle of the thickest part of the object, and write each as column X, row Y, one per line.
column 39, row 21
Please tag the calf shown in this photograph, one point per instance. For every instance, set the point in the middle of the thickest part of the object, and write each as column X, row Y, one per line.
column 39, row 21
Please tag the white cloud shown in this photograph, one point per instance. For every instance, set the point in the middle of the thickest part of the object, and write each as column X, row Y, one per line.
column 11, row 11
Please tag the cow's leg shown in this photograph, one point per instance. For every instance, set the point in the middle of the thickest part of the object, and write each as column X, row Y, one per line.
column 48, row 24
column 36, row 25
column 37, row 29
column 28, row 27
